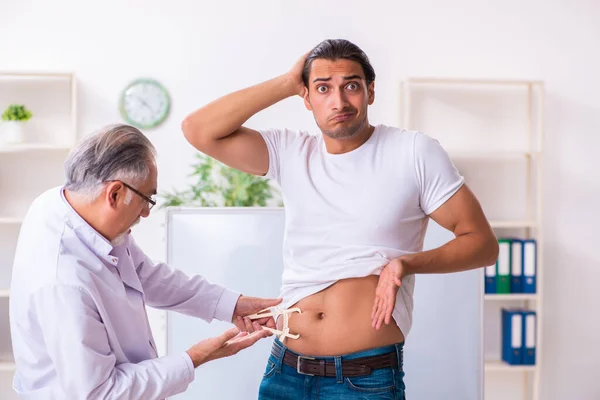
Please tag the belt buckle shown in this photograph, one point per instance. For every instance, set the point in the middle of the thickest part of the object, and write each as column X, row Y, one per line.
column 298, row 365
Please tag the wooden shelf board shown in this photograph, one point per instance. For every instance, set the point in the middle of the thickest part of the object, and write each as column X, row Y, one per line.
column 498, row 365
column 493, row 156
column 514, row 297
column 25, row 147
column 513, row 224
column 459, row 81
column 7, row 366
column 10, row 221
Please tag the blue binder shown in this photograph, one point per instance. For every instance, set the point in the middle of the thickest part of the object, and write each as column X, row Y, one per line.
column 529, row 337
column 490, row 279
column 529, row 265
column 516, row 266
column 512, row 336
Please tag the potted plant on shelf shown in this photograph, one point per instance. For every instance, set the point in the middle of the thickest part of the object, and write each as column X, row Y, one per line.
column 14, row 117
column 217, row 185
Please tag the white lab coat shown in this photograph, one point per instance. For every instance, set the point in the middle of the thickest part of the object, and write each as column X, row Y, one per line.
column 77, row 311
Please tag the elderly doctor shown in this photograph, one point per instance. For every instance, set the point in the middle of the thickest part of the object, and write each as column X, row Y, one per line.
column 80, row 286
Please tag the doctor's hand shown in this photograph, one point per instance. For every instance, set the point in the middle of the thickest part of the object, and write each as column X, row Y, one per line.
column 225, row 345
column 251, row 305
column 390, row 280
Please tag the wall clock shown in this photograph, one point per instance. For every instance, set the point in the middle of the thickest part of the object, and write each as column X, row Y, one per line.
column 145, row 103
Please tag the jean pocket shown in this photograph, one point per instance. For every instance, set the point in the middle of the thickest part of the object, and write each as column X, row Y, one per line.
column 271, row 363
column 379, row 381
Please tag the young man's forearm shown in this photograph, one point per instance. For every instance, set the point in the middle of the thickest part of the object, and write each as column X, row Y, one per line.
column 465, row 252
column 225, row 115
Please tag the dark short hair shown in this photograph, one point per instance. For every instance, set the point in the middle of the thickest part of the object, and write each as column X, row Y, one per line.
column 335, row 49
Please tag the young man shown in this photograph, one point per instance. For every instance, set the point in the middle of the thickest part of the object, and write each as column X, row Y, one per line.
column 80, row 285
column 357, row 198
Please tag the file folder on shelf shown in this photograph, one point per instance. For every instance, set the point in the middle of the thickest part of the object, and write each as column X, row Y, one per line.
column 503, row 266
column 512, row 336
column 516, row 266
column 529, row 337
column 490, row 279
column 529, row 265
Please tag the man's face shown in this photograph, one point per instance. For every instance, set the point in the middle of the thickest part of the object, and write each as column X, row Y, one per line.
column 338, row 96
column 128, row 215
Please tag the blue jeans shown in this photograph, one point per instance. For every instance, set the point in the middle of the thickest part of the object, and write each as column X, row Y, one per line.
column 281, row 381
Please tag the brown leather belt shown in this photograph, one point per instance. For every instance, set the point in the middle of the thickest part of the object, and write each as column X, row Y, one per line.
column 350, row 368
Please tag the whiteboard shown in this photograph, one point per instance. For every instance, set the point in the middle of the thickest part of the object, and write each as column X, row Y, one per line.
column 241, row 248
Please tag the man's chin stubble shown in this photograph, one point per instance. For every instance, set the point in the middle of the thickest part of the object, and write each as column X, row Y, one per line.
column 347, row 133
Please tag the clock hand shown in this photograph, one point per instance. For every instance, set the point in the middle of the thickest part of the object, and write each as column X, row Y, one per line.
column 144, row 103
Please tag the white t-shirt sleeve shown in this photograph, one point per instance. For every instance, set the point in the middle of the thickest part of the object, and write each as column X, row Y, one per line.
column 437, row 177
column 273, row 139
column 281, row 144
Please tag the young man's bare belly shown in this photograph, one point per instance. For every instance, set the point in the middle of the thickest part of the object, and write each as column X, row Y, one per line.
column 337, row 321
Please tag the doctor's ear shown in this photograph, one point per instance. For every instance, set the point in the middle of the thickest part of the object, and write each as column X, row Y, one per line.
column 113, row 191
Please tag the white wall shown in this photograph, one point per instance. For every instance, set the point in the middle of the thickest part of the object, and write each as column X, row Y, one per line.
column 201, row 50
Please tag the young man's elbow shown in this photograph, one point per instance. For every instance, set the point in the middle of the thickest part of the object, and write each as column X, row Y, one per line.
column 491, row 251
column 193, row 133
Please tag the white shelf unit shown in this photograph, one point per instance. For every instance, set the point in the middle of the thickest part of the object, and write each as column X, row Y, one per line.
column 27, row 169
column 493, row 130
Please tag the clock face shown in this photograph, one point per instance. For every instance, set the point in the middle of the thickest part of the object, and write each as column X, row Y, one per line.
column 145, row 103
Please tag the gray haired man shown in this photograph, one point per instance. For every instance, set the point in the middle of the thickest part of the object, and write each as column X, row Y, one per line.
column 81, row 284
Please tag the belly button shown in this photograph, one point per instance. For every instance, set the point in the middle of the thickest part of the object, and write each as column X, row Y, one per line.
column 321, row 315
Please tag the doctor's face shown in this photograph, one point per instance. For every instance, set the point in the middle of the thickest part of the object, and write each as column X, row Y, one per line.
column 142, row 198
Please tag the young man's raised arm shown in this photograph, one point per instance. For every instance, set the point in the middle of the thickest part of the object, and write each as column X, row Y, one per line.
column 216, row 129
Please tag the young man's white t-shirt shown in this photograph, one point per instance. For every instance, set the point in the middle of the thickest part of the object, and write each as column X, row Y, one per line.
column 348, row 215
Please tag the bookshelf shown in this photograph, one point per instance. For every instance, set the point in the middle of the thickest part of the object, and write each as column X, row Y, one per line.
column 28, row 168
column 493, row 131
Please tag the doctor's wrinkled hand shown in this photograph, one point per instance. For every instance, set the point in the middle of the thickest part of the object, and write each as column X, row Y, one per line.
column 227, row 344
column 246, row 306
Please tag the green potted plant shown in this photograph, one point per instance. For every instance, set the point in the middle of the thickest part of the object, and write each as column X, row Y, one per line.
column 13, row 119
column 217, row 185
